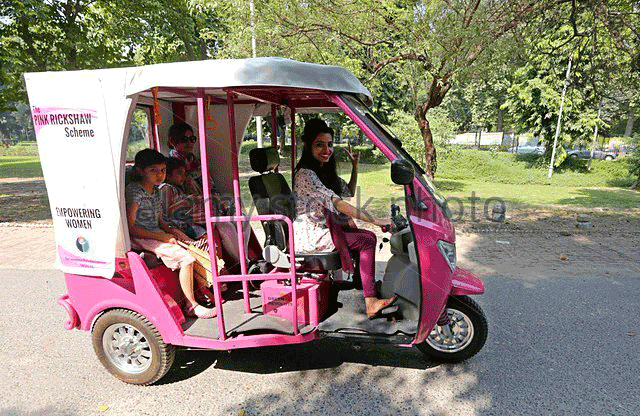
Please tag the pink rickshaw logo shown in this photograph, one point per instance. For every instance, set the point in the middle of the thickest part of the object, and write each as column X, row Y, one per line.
column 77, row 123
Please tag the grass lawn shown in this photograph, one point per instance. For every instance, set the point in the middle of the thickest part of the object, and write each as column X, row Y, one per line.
column 541, row 195
column 20, row 149
column 462, row 177
column 20, row 167
column 374, row 181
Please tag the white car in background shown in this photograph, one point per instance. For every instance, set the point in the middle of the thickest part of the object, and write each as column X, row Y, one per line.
column 528, row 149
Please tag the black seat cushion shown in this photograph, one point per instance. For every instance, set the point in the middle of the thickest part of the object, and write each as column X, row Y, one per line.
column 272, row 195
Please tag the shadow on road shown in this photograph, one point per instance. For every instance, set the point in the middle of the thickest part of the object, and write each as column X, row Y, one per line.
column 321, row 354
column 24, row 201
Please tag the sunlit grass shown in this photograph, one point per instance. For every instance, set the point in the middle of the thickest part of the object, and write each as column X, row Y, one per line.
column 20, row 167
column 376, row 192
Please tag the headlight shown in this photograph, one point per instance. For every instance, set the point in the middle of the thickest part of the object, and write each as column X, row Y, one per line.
column 448, row 251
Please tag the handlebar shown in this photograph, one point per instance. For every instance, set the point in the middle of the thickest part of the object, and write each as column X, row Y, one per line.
column 398, row 222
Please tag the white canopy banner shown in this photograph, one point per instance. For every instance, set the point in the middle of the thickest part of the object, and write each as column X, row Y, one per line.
column 76, row 158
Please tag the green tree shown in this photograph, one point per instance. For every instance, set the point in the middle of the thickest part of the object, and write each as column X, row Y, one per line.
column 48, row 35
column 440, row 38
column 598, row 36
column 634, row 162
column 52, row 35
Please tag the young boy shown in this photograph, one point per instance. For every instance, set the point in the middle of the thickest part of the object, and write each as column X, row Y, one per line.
column 149, row 232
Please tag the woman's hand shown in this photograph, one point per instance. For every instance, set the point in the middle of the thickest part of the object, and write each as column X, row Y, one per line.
column 354, row 157
column 384, row 224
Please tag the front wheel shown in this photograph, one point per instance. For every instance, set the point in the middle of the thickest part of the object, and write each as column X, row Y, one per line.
column 130, row 347
column 462, row 337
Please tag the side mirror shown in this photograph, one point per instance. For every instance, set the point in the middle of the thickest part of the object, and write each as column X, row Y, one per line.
column 401, row 172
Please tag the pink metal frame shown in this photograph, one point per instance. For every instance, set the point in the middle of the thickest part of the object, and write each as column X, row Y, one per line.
column 239, row 219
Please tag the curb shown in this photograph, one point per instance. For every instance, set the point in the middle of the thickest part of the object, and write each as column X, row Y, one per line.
column 24, row 225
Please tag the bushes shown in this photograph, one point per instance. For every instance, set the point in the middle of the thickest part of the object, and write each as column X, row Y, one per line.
column 529, row 169
column 248, row 146
column 367, row 153
column 496, row 166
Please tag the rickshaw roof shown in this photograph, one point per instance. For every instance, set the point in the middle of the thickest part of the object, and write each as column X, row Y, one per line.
column 88, row 113
column 274, row 80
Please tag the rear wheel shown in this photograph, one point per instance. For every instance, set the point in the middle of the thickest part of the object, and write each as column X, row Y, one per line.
column 462, row 337
column 130, row 347
column 608, row 157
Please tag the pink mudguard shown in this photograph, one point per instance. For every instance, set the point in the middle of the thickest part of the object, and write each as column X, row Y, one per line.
column 465, row 283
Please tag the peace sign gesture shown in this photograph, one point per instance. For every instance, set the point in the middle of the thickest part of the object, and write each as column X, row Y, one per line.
column 354, row 156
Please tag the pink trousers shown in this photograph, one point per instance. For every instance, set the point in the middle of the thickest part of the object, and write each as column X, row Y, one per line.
column 363, row 242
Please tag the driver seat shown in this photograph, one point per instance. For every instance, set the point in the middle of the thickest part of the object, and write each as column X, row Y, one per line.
column 272, row 195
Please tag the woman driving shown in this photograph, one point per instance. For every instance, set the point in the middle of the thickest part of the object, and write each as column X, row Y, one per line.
column 319, row 191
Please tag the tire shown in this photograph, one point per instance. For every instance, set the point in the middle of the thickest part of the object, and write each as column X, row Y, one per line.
column 608, row 157
column 130, row 347
column 469, row 329
column 573, row 155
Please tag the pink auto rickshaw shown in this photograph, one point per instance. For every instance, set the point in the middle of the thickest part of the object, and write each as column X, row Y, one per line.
column 84, row 123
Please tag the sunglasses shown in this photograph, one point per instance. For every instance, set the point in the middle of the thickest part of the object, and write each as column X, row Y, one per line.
column 185, row 139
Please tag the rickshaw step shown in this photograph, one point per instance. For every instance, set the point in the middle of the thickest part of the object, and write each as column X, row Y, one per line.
column 246, row 324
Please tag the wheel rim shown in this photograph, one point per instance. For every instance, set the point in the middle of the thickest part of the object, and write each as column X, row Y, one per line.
column 455, row 336
column 127, row 348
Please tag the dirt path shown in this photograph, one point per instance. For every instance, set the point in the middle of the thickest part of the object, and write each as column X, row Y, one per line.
column 24, row 201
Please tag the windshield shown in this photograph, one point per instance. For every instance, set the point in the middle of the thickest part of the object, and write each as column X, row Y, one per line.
column 394, row 144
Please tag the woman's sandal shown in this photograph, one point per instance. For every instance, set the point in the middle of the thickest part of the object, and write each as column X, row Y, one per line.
column 380, row 312
column 199, row 311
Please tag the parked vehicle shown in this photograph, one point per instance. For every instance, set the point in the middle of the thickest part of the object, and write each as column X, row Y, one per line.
column 132, row 307
column 625, row 150
column 585, row 153
column 528, row 149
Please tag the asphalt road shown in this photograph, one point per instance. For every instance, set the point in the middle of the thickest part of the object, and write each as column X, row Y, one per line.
column 565, row 345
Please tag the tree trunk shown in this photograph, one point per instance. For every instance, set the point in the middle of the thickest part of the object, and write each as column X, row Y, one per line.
column 500, row 119
column 431, row 162
column 437, row 91
column 629, row 129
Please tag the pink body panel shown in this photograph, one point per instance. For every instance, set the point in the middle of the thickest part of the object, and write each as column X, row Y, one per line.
column 434, row 271
column 152, row 294
column 428, row 225
column 137, row 290
column 465, row 283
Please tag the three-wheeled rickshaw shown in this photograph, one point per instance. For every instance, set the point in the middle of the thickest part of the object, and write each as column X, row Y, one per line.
column 131, row 304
